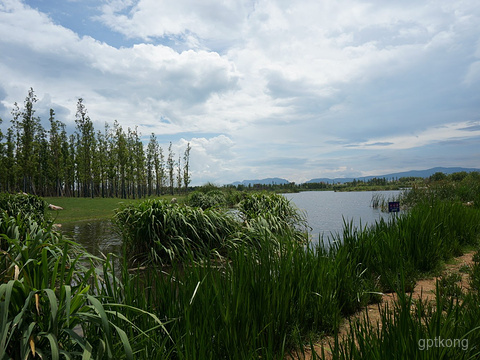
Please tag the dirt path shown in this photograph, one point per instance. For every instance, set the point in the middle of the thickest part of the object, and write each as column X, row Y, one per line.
column 424, row 289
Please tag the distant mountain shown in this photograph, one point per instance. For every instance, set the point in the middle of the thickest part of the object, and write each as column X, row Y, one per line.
column 268, row 181
column 414, row 173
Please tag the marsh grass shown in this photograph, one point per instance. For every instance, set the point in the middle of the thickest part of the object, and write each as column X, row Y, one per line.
column 447, row 328
column 52, row 302
column 236, row 287
column 24, row 206
column 159, row 231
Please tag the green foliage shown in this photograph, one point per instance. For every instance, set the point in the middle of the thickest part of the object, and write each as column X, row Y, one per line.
column 213, row 198
column 161, row 231
column 418, row 329
column 24, row 206
column 46, row 299
column 459, row 187
column 86, row 163
column 53, row 303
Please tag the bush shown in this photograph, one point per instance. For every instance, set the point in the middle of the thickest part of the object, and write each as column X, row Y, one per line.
column 47, row 301
column 25, row 206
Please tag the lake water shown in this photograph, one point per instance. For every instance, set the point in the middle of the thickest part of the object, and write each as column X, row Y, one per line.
column 98, row 237
column 325, row 212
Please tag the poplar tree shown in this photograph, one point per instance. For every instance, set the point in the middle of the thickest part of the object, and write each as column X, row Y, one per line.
column 41, row 158
column 85, row 150
column 121, row 157
column 10, row 164
column 186, row 167
column 151, row 156
column 139, row 159
column 56, row 162
column 101, row 161
column 26, row 130
column 86, row 163
column 179, row 174
column 160, row 174
column 171, row 168
column 111, row 164
column 3, row 169
column 69, row 165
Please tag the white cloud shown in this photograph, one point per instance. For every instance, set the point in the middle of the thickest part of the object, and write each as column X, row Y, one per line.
column 286, row 83
column 448, row 132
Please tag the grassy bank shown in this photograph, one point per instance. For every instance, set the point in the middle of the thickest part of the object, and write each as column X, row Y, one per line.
column 80, row 209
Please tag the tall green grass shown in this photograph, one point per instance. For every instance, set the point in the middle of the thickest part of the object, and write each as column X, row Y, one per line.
column 24, row 206
column 240, row 285
column 415, row 242
column 51, row 302
column 159, row 231
column 446, row 328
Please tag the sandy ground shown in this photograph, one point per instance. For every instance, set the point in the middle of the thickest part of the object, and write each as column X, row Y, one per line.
column 424, row 289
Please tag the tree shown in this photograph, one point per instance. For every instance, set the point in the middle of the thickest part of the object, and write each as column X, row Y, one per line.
column 438, row 176
column 26, row 131
column 41, row 158
column 10, row 164
column 186, row 167
column 121, row 158
column 179, row 174
column 139, row 158
column 160, row 174
column 85, row 150
column 86, row 163
column 56, row 161
column 151, row 156
column 171, row 167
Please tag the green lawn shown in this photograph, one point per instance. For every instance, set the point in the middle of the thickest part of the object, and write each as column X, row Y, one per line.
column 79, row 209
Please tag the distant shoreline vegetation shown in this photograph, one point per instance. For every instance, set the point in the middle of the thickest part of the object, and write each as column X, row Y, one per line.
column 372, row 184
column 87, row 163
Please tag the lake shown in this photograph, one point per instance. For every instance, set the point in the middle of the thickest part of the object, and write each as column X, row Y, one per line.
column 325, row 212
column 98, row 237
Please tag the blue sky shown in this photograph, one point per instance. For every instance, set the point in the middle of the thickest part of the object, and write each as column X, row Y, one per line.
column 297, row 89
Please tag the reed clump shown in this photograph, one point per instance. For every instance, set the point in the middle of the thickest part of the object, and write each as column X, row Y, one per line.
column 159, row 231
column 52, row 297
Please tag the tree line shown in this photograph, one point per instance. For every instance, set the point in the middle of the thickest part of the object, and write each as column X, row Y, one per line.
column 88, row 163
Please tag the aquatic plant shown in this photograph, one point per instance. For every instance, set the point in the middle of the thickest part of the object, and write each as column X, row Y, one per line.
column 160, row 231
column 50, row 305
column 24, row 205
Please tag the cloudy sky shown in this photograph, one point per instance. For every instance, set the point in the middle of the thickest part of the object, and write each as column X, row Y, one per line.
column 298, row 89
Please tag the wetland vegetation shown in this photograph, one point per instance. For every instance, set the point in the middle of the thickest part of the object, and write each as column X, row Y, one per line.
column 201, row 281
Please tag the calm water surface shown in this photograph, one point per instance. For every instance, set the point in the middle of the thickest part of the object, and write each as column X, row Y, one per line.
column 325, row 212
column 98, row 237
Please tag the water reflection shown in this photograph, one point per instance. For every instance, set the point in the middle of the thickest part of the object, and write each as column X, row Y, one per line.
column 98, row 236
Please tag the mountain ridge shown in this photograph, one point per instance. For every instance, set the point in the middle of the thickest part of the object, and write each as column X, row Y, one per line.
column 411, row 173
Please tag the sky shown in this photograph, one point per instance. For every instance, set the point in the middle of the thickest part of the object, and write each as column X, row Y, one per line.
column 296, row 89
